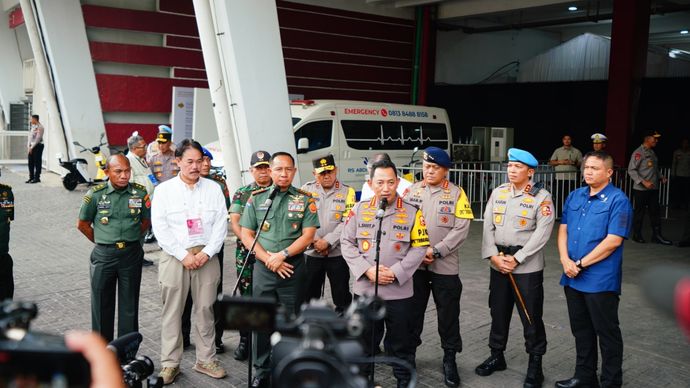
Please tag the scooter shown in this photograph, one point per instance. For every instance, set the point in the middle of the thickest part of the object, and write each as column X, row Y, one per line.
column 409, row 174
column 78, row 167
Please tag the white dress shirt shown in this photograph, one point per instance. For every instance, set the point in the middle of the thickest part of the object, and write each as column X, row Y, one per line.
column 175, row 206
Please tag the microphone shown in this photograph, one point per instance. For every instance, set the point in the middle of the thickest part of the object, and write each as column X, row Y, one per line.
column 382, row 208
column 271, row 197
column 126, row 347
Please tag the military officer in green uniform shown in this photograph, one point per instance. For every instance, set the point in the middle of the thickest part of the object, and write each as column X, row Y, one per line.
column 262, row 178
column 115, row 215
column 289, row 228
column 6, row 216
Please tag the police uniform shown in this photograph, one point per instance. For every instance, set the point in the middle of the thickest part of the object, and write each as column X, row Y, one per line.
column 292, row 211
column 517, row 223
column 333, row 206
column 448, row 214
column 404, row 241
column 116, row 258
column 599, row 138
column 6, row 216
column 644, row 165
column 163, row 165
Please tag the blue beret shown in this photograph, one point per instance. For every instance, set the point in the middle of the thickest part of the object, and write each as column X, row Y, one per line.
column 522, row 156
column 164, row 129
column 207, row 153
column 437, row 156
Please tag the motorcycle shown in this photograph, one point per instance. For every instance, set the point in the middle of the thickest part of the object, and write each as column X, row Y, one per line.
column 78, row 167
column 412, row 175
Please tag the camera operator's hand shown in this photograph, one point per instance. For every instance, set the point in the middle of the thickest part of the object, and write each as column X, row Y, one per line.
column 285, row 270
column 201, row 258
column 274, row 261
column 105, row 371
column 189, row 261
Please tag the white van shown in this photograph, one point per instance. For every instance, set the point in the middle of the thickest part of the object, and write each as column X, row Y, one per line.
column 353, row 131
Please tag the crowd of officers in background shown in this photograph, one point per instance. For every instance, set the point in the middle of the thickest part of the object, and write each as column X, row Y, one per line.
column 320, row 230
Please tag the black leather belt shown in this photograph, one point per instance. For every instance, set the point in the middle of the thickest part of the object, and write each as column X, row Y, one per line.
column 120, row 244
column 510, row 250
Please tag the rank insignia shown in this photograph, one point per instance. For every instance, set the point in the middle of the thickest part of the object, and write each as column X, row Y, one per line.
column 364, row 233
column 399, row 236
column 400, row 222
column 312, row 208
column 366, row 219
column 528, row 200
column 524, row 212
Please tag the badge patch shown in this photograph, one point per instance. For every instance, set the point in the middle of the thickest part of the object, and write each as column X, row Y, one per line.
column 294, row 206
column 104, row 220
column 312, row 208
column 366, row 245
column 294, row 226
column 337, row 216
column 545, row 211
column 498, row 219
column 522, row 222
column 397, row 247
column 265, row 227
column 444, row 219
column 399, row 236
column 524, row 212
column 135, row 203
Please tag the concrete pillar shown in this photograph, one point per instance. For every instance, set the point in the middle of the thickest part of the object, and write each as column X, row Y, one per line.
column 252, row 59
column 629, row 36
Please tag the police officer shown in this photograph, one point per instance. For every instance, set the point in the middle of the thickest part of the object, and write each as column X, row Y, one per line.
column 404, row 242
column 517, row 224
column 162, row 163
column 259, row 168
column 644, row 171
column 6, row 216
column 448, row 215
column 289, row 228
column 599, row 141
column 115, row 215
column 333, row 201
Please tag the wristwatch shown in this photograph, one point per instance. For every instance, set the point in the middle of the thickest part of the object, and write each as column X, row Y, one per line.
column 578, row 264
column 436, row 254
column 285, row 253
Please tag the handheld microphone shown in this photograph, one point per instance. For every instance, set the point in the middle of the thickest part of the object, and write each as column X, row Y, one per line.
column 126, row 347
column 382, row 208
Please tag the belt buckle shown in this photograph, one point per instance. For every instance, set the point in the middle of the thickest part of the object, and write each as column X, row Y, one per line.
column 120, row 245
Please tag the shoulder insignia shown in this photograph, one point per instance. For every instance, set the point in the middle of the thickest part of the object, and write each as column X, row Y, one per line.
column 407, row 203
column 100, row 187
column 261, row 190
column 307, row 193
column 138, row 186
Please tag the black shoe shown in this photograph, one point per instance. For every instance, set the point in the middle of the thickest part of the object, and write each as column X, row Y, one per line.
column 220, row 347
column 149, row 238
column 31, row 180
column 576, row 383
column 450, row 369
column 658, row 238
column 35, row 181
column 684, row 243
column 260, row 382
column 638, row 238
column 241, row 352
column 535, row 375
column 146, row 263
column 495, row 362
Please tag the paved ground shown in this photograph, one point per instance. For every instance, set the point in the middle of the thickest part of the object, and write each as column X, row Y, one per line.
column 51, row 268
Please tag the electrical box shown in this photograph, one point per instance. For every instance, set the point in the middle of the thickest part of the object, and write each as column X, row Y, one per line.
column 495, row 142
column 467, row 153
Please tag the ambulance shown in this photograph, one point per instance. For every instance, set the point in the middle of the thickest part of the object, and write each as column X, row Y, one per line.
column 353, row 131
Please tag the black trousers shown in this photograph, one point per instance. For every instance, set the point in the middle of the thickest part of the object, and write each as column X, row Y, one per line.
column 645, row 199
column 398, row 341
column 6, row 277
column 35, row 161
column 446, row 290
column 594, row 317
column 338, row 275
column 187, row 312
column 502, row 298
column 112, row 269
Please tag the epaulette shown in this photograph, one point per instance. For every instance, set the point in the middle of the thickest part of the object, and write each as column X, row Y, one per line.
column 309, row 183
column 410, row 203
column 261, row 190
column 308, row 194
column 507, row 184
column 138, row 186
column 100, row 187
column 535, row 189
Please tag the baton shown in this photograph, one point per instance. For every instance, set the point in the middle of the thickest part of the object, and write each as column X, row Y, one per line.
column 519, row 295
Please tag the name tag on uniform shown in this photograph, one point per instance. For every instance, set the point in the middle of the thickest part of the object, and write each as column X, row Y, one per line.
column 295, row 206
column 135, row 203
column 195, row 227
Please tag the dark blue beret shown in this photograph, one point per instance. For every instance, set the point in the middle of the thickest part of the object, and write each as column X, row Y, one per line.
column 437, row 156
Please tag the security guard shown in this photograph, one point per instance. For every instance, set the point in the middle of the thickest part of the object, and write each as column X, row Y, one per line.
column 115, row 215
column 162, row 163
column 289, row 228
column 644, row 171
column 448, row 215
column 259, row 168
column 404, row 242
column 518, row 221
column 6, row 216
column 333, row 201
column 599, row 141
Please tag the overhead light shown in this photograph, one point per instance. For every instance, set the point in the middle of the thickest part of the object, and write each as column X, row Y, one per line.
column 572, row 8
column 684, row 32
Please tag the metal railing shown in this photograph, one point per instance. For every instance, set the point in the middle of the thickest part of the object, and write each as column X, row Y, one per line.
column 13, row 147
column 479, row 183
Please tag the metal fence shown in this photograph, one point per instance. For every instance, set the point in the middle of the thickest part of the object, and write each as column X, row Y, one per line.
column 13, row 147
column 478, row 179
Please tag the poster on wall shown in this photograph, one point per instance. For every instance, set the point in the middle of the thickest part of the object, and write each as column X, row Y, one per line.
column 182, row 113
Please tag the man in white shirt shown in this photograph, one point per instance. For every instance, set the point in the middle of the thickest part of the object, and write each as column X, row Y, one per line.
column 190, row 222
column 140, row 170
column 368, row 193
column 35, row 149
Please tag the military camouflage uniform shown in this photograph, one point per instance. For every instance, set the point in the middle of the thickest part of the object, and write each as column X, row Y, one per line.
column 239, row 199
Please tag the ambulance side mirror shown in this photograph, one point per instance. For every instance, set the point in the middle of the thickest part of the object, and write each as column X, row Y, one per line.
column 302, row 145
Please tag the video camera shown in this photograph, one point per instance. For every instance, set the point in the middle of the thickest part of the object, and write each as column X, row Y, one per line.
column 316, row 349
column 30, row 359
column 136, row 370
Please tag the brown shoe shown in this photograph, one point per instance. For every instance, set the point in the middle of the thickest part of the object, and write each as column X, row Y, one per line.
column 211, row 368
column 169, row 373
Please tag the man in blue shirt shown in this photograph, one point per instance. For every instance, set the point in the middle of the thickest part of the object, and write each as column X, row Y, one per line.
column 596, row 219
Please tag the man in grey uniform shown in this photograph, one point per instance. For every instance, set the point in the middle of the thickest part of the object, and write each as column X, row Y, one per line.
column 334, row 201
column 448, row 214
column 644, row 171
column 518, row 221
column 403, row 244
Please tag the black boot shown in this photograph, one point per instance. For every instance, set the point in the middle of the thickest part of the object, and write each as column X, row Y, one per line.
column 637, row 237
column 658, row 238
column 241, row 352
column 492, row 364
column 535, row 376
column 450, row 369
